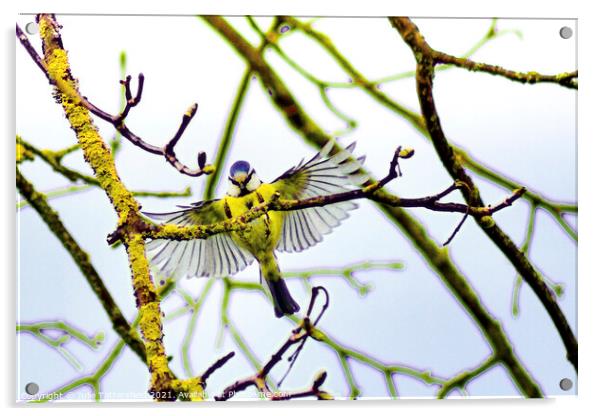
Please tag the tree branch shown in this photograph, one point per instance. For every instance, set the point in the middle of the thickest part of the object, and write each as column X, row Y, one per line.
column 67, row 332
column 373, row 191
column 118, row 121
column 462, row 379
column 566, row 79
column 298, row 336
column 426, row 59
column 54, row 160
column 163, row 383
column 82, row 260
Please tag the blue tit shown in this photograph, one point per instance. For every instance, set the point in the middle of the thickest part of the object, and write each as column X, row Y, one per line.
column 225, row 254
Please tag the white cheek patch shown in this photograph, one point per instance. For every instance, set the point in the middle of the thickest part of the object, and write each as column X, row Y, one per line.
column 233, row 190
column 253, row 183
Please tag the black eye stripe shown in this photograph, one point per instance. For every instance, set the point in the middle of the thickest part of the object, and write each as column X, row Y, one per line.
column 244, row 184
column 247, row 179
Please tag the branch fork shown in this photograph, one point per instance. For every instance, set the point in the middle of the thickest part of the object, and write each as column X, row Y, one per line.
column 167, row 151
column 299, row 336
column 118, row 121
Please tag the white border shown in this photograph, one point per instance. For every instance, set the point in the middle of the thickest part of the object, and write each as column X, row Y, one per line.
column 590, row 154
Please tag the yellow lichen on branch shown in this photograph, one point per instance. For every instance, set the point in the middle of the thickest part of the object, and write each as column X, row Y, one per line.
column 99, row 157
column 22, row 153
column 96, row 152
column 147, row 302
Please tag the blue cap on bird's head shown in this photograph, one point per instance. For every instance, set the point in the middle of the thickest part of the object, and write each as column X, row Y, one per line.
column 239, row 171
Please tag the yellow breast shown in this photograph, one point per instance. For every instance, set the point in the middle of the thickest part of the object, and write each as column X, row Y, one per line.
column 263, row 234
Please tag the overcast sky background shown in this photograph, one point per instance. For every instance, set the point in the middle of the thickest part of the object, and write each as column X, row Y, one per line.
column 527, row 132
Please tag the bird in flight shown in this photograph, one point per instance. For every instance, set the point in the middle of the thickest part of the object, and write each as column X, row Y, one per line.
column 328, row 172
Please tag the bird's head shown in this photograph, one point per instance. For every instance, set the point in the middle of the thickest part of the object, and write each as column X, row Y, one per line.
column 243, row 179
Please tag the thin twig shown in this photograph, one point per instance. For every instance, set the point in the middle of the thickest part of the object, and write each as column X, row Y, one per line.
column 451, row 237
column 31, row 51
column 192, row 325
column 566, row 79
column 67, row 332
column 54, row 159
column 215, row 366
column 298, row 335
column 518, row 281
column 117, row 121
column 462, row 379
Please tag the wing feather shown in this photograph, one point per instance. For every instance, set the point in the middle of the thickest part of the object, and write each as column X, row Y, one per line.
column 215, row 256
column 323, row 174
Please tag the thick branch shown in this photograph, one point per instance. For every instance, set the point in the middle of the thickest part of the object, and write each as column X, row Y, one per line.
column 426, row 59
column 81, row 258
column 99, row 157
column 437, row 258
column 163, row 384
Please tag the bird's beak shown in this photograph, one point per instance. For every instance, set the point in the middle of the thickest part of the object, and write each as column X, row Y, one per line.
column 240, row 177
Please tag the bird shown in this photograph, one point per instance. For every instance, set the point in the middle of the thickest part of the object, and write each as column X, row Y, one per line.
column 326, row 173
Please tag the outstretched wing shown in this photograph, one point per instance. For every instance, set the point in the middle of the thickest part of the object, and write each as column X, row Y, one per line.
column 215, row 256
column 323, row 174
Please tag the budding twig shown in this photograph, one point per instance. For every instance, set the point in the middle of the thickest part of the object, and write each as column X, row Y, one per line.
column 118, row 121
column 215, row 366
column 298, row 336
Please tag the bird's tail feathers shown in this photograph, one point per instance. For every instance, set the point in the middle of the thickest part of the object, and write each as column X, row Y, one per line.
column 284, row 304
